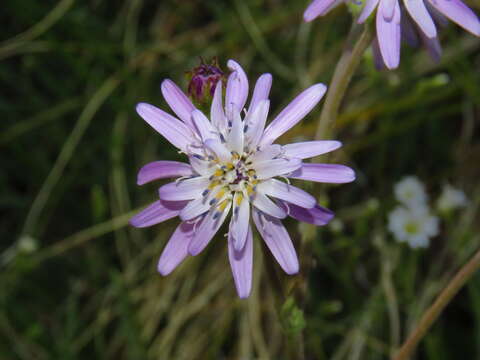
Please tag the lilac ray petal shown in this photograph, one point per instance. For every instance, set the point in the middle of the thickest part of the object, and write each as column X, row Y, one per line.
column 161, row 170
column 387, row 8
column 201, row 167
column 287, row 192
column 459, row 13
column 317, row 8
column 217, row 114
column 267, row 153
column 276, row 167
column 203, row 125
column 157, row 212
column 267, row 206
column 176, row 249
column 433, row 47
column 256, row 123
column 235, row 138
column 278, row 241
column 328, row 173
column 195, row 208
column 409, row 32
column 370, row 5
column 388, row 33
column 421, row 16
column 437, row 16
column 377, row 56
column 219, row 149
column 317, row 215
column 172, row 129
column 178, row 101
column 241, row 263
column 308, row 149
column 239, row 222
column 261, row 91
column 237, row 86
column 187, row 189
column 205, row 232
column 293, row 113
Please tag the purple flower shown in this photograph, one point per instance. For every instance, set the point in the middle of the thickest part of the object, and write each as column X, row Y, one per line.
column 426, row 14
column 235, row 165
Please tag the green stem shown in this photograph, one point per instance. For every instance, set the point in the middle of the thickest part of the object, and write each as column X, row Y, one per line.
column 462, row 276
column 346, row 66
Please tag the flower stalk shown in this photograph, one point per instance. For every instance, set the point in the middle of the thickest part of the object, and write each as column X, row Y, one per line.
column 454, row 286
column 346, row 66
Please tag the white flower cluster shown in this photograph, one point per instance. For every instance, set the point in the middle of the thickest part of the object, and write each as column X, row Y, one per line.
column 412, row 221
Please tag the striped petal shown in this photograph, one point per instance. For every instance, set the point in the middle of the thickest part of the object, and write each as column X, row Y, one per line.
column 287, row 192
column 267, row 206
column 261, row 91
column 308, row 149
column 388, row 33
column 370, row 5
column 157, row 212
column 161, row 170
column 172, row 129
column 421, row 16
column 278, row 241
column 293, row 113
column 187, row 189
column 176, row 249
column 237, row 87
column 241, row 263
column 327, row 173
column 240, row 220
column 178, row 101
column 317, row 215
column 276, row 167
column 459, row 13
column 209, row 227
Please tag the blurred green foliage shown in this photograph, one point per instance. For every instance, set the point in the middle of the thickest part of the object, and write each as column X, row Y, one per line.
column 71, row 143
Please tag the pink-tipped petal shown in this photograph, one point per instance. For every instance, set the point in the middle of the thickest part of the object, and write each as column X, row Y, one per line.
column 241, row 262
column 187, row 189
column 317, row 215
column 157, row 212
column 163, row 169
column 293, row 113
column 287, row 192
column 172, row 129
column 237, row 87
column 370, row 5
column 178, row 101
column 278, row 241
column 388, row 33
column 261, row 91
column 276, row 167
column 176, row 249
column 421, row 16
column 459, row 13
column 327, row 173
column 308, row 149
column 205, row 232
column 317, row 8
column 267, row 206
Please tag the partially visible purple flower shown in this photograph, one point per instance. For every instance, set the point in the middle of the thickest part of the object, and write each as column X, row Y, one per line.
column 391, row 27
column 234, row 164
column 204, row 79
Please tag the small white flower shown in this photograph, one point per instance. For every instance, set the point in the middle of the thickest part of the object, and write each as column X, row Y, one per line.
column 410, row 191
column 413, row 225
column 451, row 199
